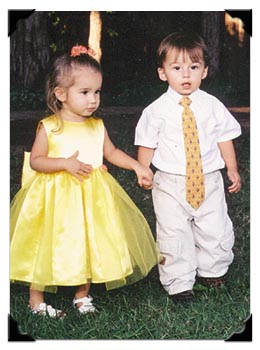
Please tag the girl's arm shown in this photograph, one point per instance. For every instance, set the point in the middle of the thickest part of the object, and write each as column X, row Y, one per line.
column 122, row 160
column 39, row 160
column 228, row 154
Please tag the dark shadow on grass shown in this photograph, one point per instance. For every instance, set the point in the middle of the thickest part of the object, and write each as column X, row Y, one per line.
column 13, row 332
column 246, row 334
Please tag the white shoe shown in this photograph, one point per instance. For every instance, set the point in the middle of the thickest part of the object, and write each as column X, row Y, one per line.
column 86, row 306
column 43, row 309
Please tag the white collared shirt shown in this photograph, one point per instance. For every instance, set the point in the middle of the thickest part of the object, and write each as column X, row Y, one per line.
column 160, row 128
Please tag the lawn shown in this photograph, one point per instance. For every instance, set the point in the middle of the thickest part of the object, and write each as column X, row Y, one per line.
column 143, row 310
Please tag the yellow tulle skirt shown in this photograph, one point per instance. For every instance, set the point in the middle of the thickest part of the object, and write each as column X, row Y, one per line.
column 65, row 232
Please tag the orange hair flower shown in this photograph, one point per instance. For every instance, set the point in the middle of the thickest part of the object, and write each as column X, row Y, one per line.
column 77, row 50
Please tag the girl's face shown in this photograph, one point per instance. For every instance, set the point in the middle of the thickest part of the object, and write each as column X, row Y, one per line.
column 81, row 99
column 183, row 75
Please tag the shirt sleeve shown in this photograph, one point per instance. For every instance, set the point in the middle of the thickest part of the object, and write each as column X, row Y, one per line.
column 227, row 126
column 147, row 130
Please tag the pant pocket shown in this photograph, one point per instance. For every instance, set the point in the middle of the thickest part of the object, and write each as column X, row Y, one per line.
column 169, row 246
column 228, row 243
column 225, row 256
column 170, row 249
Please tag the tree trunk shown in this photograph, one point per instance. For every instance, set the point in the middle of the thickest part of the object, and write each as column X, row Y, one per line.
column 211, row 34
column 94, row 40
column 29, row 50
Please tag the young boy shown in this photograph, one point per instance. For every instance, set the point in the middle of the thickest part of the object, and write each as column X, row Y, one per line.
column 194, row 232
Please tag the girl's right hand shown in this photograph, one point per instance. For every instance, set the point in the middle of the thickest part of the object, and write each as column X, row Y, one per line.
column 77, row 168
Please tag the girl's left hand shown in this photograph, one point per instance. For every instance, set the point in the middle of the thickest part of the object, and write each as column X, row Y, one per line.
column 104, row 167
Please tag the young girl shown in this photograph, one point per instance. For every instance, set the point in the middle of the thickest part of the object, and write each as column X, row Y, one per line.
column 71, row 222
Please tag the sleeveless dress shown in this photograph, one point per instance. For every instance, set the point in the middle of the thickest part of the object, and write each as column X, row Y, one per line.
column 65, row 232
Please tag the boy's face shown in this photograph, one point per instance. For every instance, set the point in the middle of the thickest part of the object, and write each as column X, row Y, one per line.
column 183, row 75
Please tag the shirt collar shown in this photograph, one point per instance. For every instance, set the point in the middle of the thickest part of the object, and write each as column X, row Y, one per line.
column 177, row 97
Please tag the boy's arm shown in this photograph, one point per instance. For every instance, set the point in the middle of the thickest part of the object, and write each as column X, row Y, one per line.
column 228, row 154
column 145, row 155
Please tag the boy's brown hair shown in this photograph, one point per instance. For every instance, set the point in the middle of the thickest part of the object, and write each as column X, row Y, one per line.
column 192, row 43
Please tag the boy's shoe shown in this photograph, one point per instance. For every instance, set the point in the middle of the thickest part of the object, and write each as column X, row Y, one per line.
column 212, row 282
column 186, row 296
column 86, row 306
column 47, row 310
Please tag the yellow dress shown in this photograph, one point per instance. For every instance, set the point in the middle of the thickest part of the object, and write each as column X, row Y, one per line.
column 65, row 232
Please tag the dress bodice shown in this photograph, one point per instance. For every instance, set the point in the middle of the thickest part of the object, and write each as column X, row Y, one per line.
column 86, row 137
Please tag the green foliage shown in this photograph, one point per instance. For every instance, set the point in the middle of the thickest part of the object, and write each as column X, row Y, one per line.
column 224, row 89
column 112, row 33
column 127, row 94
column 129, row 43
column 130, row 94
column 24, row 100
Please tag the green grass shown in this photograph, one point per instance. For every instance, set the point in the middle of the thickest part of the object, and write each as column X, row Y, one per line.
column 143, row 310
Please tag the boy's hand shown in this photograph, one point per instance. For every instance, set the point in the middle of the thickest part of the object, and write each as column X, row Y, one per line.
column 234, row 177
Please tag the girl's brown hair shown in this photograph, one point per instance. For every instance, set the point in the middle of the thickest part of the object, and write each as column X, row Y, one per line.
column 192, row 43
column 61, row 75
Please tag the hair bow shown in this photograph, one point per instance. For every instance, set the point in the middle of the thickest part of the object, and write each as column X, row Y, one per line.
column 77, row 50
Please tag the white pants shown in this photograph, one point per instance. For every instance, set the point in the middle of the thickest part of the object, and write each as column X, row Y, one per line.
column 191, row 241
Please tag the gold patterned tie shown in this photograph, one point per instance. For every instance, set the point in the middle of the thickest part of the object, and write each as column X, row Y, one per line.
column 195, row 190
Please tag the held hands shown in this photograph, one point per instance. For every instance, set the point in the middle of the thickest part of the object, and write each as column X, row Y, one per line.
column 147, row 184
column 144, row 177
column 234, row 177
column 76, row 167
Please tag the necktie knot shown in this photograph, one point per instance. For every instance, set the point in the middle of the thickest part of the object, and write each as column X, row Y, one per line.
column 185, row 101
